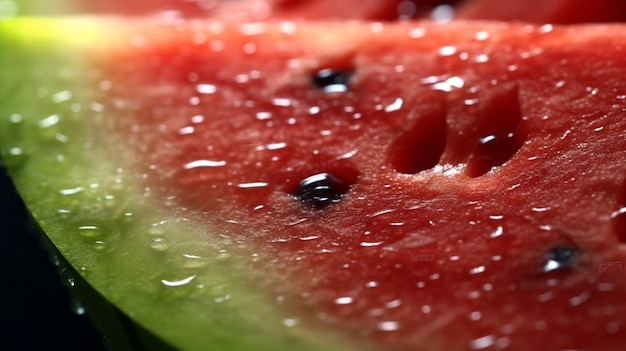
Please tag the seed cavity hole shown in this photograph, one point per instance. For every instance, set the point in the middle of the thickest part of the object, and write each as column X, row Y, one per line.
column 501, row 132
column 420, row 148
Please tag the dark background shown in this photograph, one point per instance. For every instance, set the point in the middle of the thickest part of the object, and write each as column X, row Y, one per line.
column 35, row 310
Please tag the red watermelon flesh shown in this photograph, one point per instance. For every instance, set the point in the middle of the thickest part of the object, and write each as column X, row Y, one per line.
column 468, row 178
column 258, row 10
column 535, row 11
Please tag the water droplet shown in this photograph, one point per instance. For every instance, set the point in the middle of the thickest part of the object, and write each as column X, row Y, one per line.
column 254, row 28
column 89, row 231
column 217, row 45
column 281, row 102
column 180, row 282
column 333, row 81
column 67, row 279
column 395, row 106
column 71, row 191
column 442, row 13
column 157, row 229
column 159, row 244
column 477, row 270
column 496, row 233
column 473, row 295
column 314, row 110
column 221, row 299
column 371, row 244
column 483, row 342
column 475, row 316
column 377, row 27
column 223, row 256
column 345, row 300
column 560, row 257
column 417, row 33
column 448, row 50
column 389, row 326
column 545, row 297
column 393, row 303
column 196, row 119
column 449, row 84
column 77, row 306
column 252, row 185
column 62, row 96
column 49, row 121
column 99, row 245
column 546, row 28
column 481, row 58
column 371, row 284
column 204, row 163
column 321, row 190
column 613, row 327
column 290, row 322
column 579, row 299
column 482, row 35
column 263, row 115
column 407, row 9
column 206, row 88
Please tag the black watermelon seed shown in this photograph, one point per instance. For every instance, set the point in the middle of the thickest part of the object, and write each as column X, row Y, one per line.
column 332, row 80
column 560, row 257
column 321, row 190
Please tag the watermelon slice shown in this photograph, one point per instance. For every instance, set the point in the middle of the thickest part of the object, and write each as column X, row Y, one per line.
column 279, row 186
column 535, row 11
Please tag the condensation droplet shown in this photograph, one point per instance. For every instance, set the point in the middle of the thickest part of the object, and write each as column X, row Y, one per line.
column 206, row 89
column 49, row 121
column 496, row 233
column 99, row 245
column 483, row 342
column 388, row 325
column 290, row 322
column 477, row 270
column 158, row 244
column 89, row 231
column 417, row 33
column 344, row 300
column 448, row 50
column 77, row 307
column 180, row 282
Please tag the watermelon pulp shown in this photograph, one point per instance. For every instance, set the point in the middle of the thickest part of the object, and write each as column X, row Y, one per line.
column 535, row 11
column 471, row 204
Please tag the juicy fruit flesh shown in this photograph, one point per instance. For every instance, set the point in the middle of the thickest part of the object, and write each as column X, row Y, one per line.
column 460, row 245
column 474, row 242
column 143, row 255
column 531, row 11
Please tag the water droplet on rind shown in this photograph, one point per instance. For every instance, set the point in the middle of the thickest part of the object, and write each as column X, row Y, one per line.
column 159, row 244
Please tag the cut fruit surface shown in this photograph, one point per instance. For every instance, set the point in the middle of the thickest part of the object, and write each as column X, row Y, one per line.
column 533, row 11
column 384, row 185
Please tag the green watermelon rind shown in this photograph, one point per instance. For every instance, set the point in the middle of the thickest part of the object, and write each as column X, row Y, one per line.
column 78, row 189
